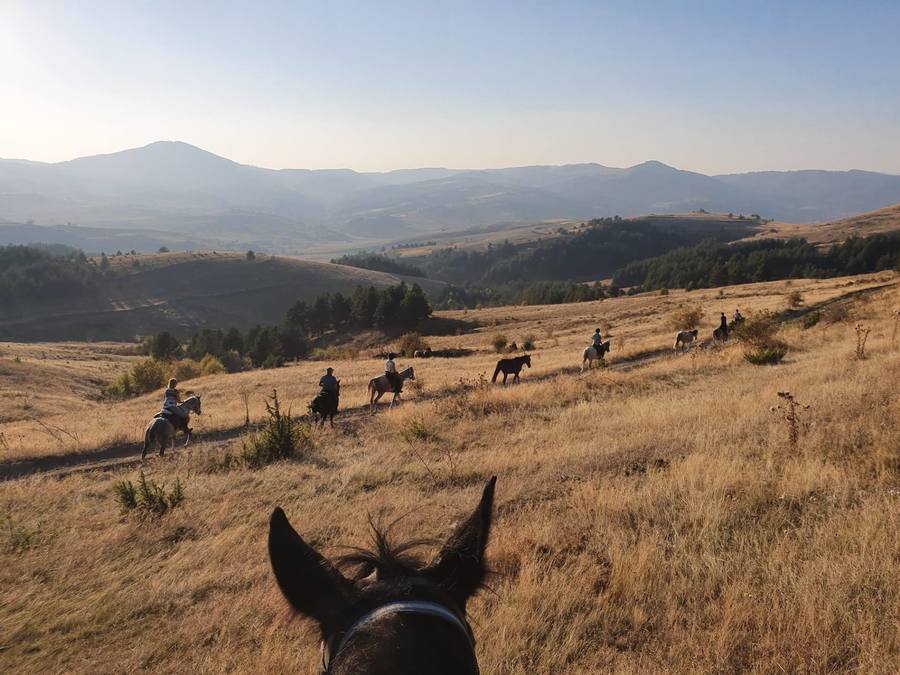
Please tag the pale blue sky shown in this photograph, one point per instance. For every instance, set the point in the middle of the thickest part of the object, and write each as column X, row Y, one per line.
column 709, row 86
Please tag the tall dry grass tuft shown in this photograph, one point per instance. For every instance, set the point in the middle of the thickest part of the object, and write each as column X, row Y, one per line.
column 281, row 437
column 790, row 413
column 862, row 336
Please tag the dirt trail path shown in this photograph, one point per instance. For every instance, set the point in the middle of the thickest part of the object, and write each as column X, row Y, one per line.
column 127, row 454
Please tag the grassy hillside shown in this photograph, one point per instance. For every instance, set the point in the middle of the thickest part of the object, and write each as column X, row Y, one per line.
column 651, row 517
column 862, row 225
column 181, row 292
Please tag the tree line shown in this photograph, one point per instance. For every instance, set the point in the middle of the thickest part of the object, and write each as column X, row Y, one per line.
column 470, row 296
column 393, row 309
column 29, row 273
column 710, row 263
column 379, row 263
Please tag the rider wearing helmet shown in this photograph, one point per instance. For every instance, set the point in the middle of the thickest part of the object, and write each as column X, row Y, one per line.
column 596, row 340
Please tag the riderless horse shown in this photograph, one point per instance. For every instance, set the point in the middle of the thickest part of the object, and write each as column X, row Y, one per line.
column 684, row 338
column 511, row 367
column 592, row 354
column 325, row 404
column 393, row 615
column 379, row 386
column 161, row 430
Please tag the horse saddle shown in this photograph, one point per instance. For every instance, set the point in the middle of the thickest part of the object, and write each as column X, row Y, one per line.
column 172, row 418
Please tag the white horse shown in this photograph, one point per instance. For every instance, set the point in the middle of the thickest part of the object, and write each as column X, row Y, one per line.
column 379, row 386
column 160, row 430
column 592, row 354
column 684, row 338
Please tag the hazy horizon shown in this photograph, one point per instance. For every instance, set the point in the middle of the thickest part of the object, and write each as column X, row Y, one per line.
column 716, row 87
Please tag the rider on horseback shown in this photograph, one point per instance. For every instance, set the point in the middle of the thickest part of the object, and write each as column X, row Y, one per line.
column 390, row 372
column 171, row 407
column 328, row 383
column 596, row 340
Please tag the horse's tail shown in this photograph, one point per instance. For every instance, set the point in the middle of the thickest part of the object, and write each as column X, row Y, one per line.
column 496, row 372
column 677, row 340
column 148, row 432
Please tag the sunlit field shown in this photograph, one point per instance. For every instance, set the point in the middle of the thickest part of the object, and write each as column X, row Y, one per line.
column 651, row 516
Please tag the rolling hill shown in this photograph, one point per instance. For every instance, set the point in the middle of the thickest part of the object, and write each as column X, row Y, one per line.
column 184, row 195
column 184, row 292
column 862, row 225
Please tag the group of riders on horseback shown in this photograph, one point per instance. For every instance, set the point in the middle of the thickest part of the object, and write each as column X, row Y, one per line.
column 174, row 415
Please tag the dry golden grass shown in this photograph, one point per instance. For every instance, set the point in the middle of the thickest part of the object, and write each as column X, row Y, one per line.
column 862, row 225
column 653, row 519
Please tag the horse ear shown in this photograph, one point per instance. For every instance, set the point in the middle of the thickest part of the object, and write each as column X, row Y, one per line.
column 312, row 585
column 459, row 567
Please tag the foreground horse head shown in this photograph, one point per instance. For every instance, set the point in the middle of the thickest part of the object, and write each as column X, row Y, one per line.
column 395, row 615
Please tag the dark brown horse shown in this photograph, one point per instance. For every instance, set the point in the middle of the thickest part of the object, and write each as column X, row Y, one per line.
column 394, row 615
column 325, row 405
column 511, row 367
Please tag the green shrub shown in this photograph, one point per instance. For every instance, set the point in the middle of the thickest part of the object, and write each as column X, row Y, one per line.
column 185, row 369
column 410, row 343
column 765, row 356
column 147, row 497
column 686, row 318
column 147, row 375
column 417, row 429
column 811, row 320
column 273, row 361
column 281, row 438
column 759, row 330
column 233, row 362
column 795, row 299
column 499, row 342
column 529, row 344
column 210, row 365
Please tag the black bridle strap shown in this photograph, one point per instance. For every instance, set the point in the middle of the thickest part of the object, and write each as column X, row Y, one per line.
column 331, row 647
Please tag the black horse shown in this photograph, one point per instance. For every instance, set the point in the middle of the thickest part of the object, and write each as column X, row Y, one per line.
column 325, row 404
column 511, row 366
column 394, row 614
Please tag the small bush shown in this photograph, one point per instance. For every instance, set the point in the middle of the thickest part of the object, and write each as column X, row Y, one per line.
column 185, row 369
column 410, row 343
column 147, row 375
column 233, row 362
column 686, row 318
column 417, row 429
column 765, row 356
column 281, row 438
column 210, row 365
column 529, row 344
column 795, row 299
column 811, row 320
column 759, row 330
column 273, row 361
column 664, row 291
column 836, row 314
column 499, row 342
column 147, row 497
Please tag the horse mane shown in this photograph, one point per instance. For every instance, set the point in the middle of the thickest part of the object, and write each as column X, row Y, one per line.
column 389, row 559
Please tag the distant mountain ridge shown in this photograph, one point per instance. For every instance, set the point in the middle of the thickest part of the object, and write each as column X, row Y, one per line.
column 174, row 187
